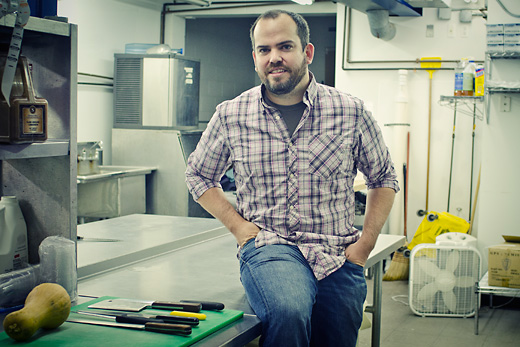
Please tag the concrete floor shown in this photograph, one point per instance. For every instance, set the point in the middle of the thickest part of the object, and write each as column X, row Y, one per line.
column 400, row 327
column 499, row 326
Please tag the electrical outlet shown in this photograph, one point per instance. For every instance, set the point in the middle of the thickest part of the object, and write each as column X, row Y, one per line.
column 505, row 103
column 429, row 30
column 451, row 30
column 464, row 30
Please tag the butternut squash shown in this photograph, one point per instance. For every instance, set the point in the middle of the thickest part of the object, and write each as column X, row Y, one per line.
column 47, row 306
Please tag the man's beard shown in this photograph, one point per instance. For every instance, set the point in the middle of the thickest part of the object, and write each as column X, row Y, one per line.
column 295, row 76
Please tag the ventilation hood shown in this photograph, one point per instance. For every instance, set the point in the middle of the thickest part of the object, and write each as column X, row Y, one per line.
column 379, row 11
column 401, row 8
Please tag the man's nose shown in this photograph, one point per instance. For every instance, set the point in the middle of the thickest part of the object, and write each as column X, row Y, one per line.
column 275, row 57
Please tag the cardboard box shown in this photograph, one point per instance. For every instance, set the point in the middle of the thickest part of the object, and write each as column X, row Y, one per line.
column 504, row 263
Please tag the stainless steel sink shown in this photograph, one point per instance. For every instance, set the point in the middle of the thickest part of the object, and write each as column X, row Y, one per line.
column 114, row 191
column 109, row 172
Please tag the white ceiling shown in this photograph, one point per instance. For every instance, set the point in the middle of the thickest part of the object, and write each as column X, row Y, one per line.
column 316, row 8
column 158, row 4
column 232, row 8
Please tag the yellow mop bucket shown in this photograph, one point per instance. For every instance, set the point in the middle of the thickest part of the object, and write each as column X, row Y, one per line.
column 435, row 224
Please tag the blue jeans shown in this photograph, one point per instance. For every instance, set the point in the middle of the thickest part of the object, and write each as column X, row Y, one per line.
column 295, row 308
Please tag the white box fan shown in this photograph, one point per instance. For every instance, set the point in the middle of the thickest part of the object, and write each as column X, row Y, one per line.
column 443, row 276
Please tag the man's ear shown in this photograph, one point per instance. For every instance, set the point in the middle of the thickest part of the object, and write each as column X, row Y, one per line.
column 309, row 52
column 254, row 59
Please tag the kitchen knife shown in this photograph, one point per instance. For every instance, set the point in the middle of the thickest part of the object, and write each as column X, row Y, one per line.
column 142, row 319
column 164, row 328
column 207, row 305
column 139, row 305
column 200, row 316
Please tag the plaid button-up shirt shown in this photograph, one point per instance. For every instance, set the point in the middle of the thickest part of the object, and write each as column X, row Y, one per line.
column 297, row 188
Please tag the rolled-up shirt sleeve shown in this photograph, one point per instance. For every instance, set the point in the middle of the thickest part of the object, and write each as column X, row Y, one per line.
column 374, row 157
column 210, row 160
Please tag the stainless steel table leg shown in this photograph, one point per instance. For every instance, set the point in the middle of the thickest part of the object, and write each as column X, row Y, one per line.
column 477, row 305
column 376, row 306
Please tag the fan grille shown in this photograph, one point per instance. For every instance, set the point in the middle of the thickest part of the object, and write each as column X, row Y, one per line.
column 442, row 280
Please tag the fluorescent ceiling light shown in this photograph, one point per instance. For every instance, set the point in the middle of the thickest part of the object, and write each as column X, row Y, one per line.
column 303, row 2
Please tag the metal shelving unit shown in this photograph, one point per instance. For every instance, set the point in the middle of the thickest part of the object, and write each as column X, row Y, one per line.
column 43, row 175
column 50, row 148
column 498, row 87
column 464, row 104
column 467, row 105
column 483, row 287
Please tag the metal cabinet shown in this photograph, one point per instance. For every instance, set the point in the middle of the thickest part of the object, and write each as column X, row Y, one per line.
column 43, row 175
column 156, row 91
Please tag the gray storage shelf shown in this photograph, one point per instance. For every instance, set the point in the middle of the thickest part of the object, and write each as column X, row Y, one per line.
column 43, row 175
column 49, row 148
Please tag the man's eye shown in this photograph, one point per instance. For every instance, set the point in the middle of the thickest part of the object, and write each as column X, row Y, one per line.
column 262, row 50
column 287, row 47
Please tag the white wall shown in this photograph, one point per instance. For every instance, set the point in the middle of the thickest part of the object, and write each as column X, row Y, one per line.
column 379, row 91
column 496, row 146
column 498, row 204
column 104, row 27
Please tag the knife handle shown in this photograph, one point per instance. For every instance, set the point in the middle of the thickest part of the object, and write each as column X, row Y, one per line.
column 179, row 320
column 166, row 328
column 188, row 307
column 200, row 316
column 207, row 305
column 137, row 319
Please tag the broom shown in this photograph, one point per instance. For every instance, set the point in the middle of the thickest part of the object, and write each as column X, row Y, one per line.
column 399, row 267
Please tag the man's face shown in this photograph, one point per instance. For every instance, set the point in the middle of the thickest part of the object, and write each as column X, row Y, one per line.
column 280, row 61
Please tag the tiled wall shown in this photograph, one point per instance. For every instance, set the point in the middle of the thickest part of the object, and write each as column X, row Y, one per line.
column 224, row 51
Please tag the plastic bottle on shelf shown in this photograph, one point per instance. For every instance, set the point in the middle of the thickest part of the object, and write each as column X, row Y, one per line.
column 13, row 236
column 479, row 80
column 468, row 79
column 458, row 77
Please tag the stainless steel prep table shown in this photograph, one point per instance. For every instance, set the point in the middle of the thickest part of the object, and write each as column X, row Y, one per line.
column 175, row 258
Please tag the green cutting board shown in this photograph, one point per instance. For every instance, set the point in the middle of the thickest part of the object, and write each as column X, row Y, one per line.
column 92, row 335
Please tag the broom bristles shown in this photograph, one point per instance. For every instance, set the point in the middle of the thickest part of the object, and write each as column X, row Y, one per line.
column 399, row 268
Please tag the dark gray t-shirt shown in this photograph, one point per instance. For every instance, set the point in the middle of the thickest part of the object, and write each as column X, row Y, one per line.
column 291, row 114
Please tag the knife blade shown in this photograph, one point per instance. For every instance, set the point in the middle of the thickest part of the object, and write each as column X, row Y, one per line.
column 207, row 305
column 163, row 328
column 96, row 239
column 139, row 305
column 142, row 319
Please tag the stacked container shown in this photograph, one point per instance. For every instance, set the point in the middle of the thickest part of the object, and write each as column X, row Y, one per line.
column 512, row 38
column 13, row 236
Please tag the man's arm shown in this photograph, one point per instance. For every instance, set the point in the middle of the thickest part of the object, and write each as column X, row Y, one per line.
column 214, row 201
column 379, row 204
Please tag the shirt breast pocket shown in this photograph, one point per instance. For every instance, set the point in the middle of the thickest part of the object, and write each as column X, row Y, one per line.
column 330, row 155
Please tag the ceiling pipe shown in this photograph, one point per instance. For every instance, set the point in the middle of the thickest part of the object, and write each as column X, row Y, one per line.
column 380, row 25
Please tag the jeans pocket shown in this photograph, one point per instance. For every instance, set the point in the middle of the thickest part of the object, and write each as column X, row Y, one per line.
column 354, row 265
column 245, row 250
